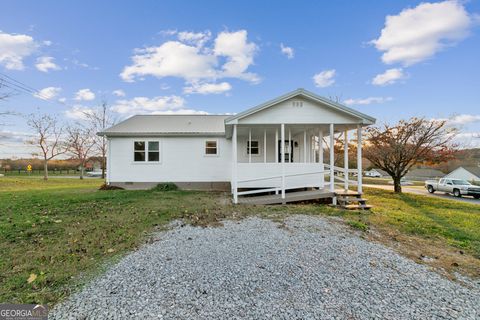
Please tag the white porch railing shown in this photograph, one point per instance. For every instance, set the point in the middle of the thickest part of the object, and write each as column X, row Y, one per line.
column 267, row 177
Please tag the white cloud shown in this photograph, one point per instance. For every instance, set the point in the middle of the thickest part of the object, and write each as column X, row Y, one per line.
column 47, row 43
column 239, row 53
column 390, row 76
column 84, row 94
column 48, row 93
column 324, row 78
column 144, row 105
column 461, row 119
column 14, row 48
column 207, row 88
column 467, row 140
column 79, row 112
column 416, row 34
column 45, row 64
column 366, row 101
column 288, row 51
column 230, row 56
column 196, row 38
column 118, row 93
column 173, row 59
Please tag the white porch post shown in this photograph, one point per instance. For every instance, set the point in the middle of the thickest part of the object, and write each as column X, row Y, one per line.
column 359, row 158
column 282, row 153
column 249, row 149
column 332, row 161
column 289, row 145
column 320, row 157
column 312, row 147
column 345, row 160
column 276, row 146
column 234, row 164
column 305, row 146
column 264, row 145
column 320, row 146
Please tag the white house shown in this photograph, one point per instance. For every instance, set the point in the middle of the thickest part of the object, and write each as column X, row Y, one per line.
column 243, row 153
column 465, row 173
column 376, row 173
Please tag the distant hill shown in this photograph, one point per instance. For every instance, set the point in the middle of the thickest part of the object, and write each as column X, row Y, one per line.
column 464, row 158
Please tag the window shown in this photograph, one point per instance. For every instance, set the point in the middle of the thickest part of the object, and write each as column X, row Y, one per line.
column 211, row 147
column 146, row 151
column 139, row 150
column 153, row 151
column 252, row 147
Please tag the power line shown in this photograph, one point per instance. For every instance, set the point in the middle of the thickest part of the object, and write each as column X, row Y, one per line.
column 18, row 85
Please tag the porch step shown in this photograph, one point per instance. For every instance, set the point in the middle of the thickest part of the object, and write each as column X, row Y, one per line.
column 356, row 207
column 352, row 201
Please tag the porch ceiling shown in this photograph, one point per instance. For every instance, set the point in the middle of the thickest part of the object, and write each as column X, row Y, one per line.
column 258, row 129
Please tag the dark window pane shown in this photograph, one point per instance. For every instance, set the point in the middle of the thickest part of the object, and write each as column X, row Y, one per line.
column 252, row 147
column 139, row 145
column 153, row 156
column 139, row 156
column 153, row 146
column 211, row 150
column 211, row 144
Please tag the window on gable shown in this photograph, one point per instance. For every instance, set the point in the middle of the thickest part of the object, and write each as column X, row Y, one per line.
column 211, row 147
column 139, row 150
column 252, row 147
column 153, row 151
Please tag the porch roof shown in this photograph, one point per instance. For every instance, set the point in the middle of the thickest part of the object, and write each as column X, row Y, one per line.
column 363, row 118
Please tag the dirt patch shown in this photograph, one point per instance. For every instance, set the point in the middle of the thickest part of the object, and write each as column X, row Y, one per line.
column 446, row 260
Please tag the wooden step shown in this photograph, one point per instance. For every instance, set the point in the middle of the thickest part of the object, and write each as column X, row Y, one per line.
column 349, row 199
column 348, row 194
column 356, row 207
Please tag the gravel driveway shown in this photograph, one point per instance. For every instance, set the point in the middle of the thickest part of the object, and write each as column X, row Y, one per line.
column 306, row 268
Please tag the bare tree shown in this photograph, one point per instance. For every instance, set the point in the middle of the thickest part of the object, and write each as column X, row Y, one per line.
column 99, row 120
column 397, row 148
column 48, row 138
column 81, row 144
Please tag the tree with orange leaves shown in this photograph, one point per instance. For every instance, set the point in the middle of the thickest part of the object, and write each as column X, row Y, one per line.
column 396, row 148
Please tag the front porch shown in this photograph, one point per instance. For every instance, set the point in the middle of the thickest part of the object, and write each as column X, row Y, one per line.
column 266, row 171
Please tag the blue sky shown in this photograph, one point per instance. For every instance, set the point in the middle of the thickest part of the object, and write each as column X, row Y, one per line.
column 389, row 59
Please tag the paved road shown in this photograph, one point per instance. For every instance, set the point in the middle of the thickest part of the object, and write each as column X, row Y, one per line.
column 424, row 192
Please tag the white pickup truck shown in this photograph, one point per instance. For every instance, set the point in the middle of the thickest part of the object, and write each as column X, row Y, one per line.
column 456, row 187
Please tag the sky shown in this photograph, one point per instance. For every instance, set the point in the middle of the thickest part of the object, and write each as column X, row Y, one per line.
column 389, row 59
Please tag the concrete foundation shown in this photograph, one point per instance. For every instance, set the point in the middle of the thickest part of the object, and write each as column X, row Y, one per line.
column 206, row 186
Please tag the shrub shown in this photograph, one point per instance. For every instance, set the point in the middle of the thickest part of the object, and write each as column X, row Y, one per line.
column 109, row 187
column 168, row 186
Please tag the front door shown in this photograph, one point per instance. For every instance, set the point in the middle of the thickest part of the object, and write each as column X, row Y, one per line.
column 288, row 150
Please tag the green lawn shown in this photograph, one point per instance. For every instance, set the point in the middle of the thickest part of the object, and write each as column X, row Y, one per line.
column 58, row 232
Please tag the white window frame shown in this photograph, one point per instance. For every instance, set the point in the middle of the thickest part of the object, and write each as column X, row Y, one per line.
column 205, row 148
column 147, row 141
column 259, row 148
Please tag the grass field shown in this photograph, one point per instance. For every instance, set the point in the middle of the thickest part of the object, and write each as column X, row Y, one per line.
column 54, row 234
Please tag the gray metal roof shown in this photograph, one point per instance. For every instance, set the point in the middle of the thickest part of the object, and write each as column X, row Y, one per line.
column 161, row 125
column 473, row 170
column 174, row 125
column 306, row 94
